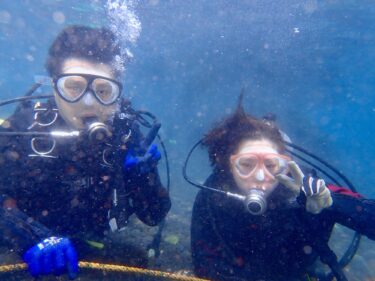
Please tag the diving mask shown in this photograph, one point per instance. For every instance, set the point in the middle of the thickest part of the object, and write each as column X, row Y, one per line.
column 246, row 165
column 73, row 86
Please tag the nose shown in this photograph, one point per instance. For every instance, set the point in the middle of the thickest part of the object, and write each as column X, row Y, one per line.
column 88, row 99
column 260, row 175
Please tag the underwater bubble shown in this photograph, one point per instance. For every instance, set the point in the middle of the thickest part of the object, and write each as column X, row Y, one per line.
column 83, row 7
column 20, row 23
column 151, row 253
column 13, row 155
column 30, row 57
column 324, row 120
column 58, row 17
column 5, row 17
column 310, row 6
column 153, row 2
column 124, row 23
column 307, row 250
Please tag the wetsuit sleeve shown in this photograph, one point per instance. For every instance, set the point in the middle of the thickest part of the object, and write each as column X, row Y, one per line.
column 353, row 211
column 17, row 230
column 149, row 199
column 204, row 247
column 208, row 252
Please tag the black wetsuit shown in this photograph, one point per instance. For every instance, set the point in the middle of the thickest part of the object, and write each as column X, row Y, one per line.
column 228, row 243
column 69, row 192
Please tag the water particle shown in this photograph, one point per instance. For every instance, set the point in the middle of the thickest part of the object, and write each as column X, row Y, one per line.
column 307, row 250
column 58, row 17
column 153, row 2
column 151, row 253
column 5, row 17
column 30, row 57
column 310, row 6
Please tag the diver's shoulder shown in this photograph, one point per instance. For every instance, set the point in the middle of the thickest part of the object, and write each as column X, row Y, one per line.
column 20, row 119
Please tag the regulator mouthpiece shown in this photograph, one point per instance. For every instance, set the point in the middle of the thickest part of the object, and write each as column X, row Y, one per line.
column 98, row 132
column 256, row 202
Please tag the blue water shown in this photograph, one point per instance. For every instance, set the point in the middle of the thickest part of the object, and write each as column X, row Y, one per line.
column 310, row 62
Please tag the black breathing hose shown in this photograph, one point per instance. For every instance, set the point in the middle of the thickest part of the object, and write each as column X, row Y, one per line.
column 353, row 246
column 25, row 98
column 154, row 127
column 320, row 160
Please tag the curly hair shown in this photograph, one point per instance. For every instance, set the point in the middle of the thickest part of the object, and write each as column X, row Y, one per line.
column 223, row 140
column 94, row 44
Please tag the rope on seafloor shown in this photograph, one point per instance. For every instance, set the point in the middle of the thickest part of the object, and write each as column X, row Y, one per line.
column 112, row 267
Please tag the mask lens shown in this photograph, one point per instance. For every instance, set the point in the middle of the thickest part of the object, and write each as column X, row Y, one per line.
column 275, row 165
column 246, row 165
column 71, row 87
column 106, row 91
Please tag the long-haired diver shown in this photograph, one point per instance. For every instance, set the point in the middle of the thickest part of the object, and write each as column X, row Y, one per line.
column 260, row 216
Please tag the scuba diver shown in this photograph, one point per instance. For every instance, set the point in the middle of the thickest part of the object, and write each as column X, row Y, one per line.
column 76, row 167
column 260, row 215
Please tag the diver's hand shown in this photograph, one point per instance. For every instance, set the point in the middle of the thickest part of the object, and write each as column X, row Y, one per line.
column 54, row 255
column 295, row 182
column 142, row 164
column 318, row 196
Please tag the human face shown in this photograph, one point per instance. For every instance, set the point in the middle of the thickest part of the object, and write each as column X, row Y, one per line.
column 88, row 105
column 255, row 165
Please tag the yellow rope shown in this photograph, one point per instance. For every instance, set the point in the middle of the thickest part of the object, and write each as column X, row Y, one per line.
column 112, row 267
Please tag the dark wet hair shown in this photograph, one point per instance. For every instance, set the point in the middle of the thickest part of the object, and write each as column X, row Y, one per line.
column 223, row 140
column 97, row 45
